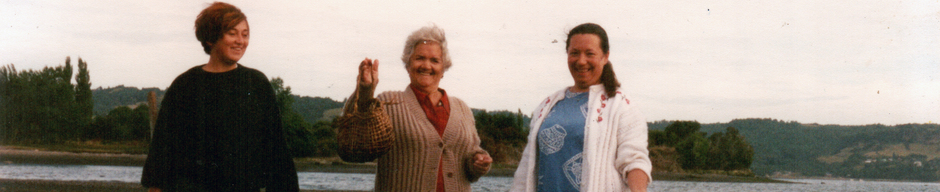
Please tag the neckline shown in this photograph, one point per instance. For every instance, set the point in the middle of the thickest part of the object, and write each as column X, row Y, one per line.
column 569, row 94
column 203, row 69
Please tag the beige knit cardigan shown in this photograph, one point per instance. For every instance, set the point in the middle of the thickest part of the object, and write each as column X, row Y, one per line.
column 412, row 162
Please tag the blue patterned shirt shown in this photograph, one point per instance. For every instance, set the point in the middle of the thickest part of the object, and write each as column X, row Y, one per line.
column 561, row 143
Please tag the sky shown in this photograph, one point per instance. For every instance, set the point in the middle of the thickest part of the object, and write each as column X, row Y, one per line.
column 826, row 62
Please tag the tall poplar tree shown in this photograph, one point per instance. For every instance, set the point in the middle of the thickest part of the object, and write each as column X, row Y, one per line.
column 7, row 74
column 83, row 98
column 37, row 105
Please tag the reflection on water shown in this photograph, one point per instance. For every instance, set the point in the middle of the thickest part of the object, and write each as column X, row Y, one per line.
column 357, row 181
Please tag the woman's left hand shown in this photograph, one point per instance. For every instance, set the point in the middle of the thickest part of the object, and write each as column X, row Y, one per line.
column 481, row 163
column 637, row 180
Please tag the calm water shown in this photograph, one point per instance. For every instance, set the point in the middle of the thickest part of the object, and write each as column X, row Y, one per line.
column 355, row 181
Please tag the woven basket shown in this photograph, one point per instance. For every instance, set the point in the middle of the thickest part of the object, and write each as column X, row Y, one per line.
column 363, row 136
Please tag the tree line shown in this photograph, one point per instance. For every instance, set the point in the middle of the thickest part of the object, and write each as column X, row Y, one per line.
column 790, row 147
column 303, row 139
column 502, row 134
column 698, row 151
column 44, row 106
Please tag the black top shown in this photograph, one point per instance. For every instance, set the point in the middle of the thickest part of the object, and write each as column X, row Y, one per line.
column 219, row 132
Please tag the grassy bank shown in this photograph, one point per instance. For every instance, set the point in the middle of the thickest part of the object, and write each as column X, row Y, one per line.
column 133, row 147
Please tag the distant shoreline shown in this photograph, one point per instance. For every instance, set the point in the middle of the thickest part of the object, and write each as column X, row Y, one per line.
column 334, row 165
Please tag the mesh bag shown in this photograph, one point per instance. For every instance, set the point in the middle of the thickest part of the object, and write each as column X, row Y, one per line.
column 363, row 136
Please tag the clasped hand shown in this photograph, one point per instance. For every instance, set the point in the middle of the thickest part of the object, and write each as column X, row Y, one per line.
column 481, row 163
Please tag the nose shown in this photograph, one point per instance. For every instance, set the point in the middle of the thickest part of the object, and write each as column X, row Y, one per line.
column 421, row 64
column 240, row 39
column 581, row 59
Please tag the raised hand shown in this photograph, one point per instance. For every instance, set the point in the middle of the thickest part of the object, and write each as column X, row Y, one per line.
column 367, row 80
column 368, row 73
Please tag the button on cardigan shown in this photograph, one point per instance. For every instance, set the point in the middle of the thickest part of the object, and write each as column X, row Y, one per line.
column 411, row 163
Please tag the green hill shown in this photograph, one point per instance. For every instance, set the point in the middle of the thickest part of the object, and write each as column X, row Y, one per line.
column 908, row 151
column 113, row 97
column 311, row 108
column 314, row 109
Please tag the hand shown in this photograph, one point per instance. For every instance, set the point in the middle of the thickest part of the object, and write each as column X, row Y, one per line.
column 481, row 163
column 368, row 73
column 637, row 180
column 154, row 189
column 366, row 81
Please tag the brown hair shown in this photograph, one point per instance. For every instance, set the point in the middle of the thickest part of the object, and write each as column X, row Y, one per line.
column 213, row 21
column 608, row 78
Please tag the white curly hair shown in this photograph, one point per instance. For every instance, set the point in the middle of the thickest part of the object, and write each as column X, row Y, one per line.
column 426, row 34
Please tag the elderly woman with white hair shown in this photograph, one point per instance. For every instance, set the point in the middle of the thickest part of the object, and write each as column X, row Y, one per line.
column 436, row 147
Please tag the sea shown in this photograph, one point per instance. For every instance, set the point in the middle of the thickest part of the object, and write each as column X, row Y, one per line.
column 359, row 181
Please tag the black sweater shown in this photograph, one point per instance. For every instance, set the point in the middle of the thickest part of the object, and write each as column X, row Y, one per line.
column 219, row 132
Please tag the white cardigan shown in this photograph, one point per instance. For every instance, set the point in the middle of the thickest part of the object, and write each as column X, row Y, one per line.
column 615, row 142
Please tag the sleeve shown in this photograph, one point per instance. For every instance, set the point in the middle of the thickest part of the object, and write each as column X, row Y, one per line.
column 280, row 172
column 632, row 135
column 158, row 166
column 475, row 147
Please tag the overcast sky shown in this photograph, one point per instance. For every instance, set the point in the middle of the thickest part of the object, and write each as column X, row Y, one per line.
column 827, row 62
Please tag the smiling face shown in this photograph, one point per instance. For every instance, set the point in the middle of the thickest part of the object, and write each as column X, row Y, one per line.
column 426, row 68
column 586, row 60
column 231, row 46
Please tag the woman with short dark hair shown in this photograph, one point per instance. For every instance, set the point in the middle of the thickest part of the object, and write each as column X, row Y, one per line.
column 219, row 127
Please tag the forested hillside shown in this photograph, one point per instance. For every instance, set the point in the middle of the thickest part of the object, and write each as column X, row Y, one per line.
column 314, row 109
column 311, row 134
column 113, row 97
column 106, row 99
column 908, row 151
